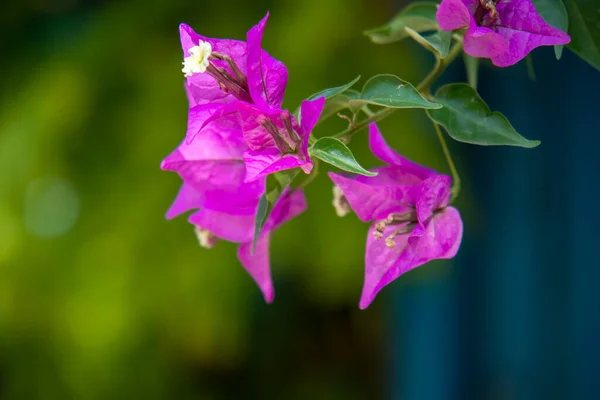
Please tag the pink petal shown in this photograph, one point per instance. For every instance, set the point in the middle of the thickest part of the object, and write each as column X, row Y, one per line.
column 262, row 163
column 441, row 237
column 225, row 225
column 440, row 240
column 379, row 259
column 483, row 42
column 435, row 194
column 453, row 14
column 258, row 265
column 219, row 183
column 371, row 201
column 187, row 199
column 267, row 77
column 203, row 88
column 388, row 155
column 213, row 136
column 289, row 206
column 524, row 30
column 255, row 135
column 310, row 111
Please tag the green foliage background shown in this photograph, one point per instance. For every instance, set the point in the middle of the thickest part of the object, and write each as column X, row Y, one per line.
column 100, row 296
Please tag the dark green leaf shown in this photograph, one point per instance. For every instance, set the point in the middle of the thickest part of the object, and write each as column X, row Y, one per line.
column 275, row 186
column 391, row 91
column 472, row 67
column 329, row 93
column 419, row 16
column 555, row 14
column 336, row 153
column 338, row 103
column 467, row 118
column 438, row 43
column 584, row 28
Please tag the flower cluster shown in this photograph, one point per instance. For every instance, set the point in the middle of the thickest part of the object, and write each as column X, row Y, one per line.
column 503, row 30
column 237, row 134
column 412, row 221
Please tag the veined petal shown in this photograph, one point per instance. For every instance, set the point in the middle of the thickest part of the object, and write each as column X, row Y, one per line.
column 440, row 240
column 258, row 265
column 267, row 77
column 441, row 236
column 435, row 194
column 388, row 155
column 203, row 88
column 379, row 260
column 524, row 30
column 453, row 14
column 484, row 42
column 211, row 135
column 255, row 135
column 262, row 163
column 371, row 202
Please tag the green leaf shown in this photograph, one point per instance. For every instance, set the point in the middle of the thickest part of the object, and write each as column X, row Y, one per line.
column 328, row 94
column 555, row 14
column 336, row 153
column 438, row 43
column 275, row 186
column 419, row 16
column 338, row 103
column 472, row 67
column 584, row 28
column 391, row 91
column 467, row 118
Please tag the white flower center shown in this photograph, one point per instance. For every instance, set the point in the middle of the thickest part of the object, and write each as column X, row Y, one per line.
column 197, row 62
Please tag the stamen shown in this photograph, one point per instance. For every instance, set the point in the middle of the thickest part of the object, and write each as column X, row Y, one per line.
column 287, row 122
column 206, row 238
column 270, row 126
column 390, row 240
column 241, row 79
column 340, row 203
column 394, row 219
column 228, row 83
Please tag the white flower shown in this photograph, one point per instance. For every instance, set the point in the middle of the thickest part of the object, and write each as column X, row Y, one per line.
column 197, row 62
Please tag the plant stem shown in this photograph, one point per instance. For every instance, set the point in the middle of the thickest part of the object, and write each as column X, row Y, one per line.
column 313, row 174
column 423, row 87
column 455, row 177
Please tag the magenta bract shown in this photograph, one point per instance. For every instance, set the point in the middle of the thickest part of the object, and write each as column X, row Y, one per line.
column 412, row 220
column 504, row 31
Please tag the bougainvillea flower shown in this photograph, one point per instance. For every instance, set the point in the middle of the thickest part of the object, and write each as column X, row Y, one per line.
column 237, row 225
column 213, row 172
column 503, row 30
column 223, row 70
column 277, row 141
column 246, row 82
column 412, row 220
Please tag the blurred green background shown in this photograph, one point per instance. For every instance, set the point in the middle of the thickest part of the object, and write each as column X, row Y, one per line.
column 100, row 296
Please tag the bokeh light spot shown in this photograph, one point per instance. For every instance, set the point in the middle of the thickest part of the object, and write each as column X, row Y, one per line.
column 51, row 207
